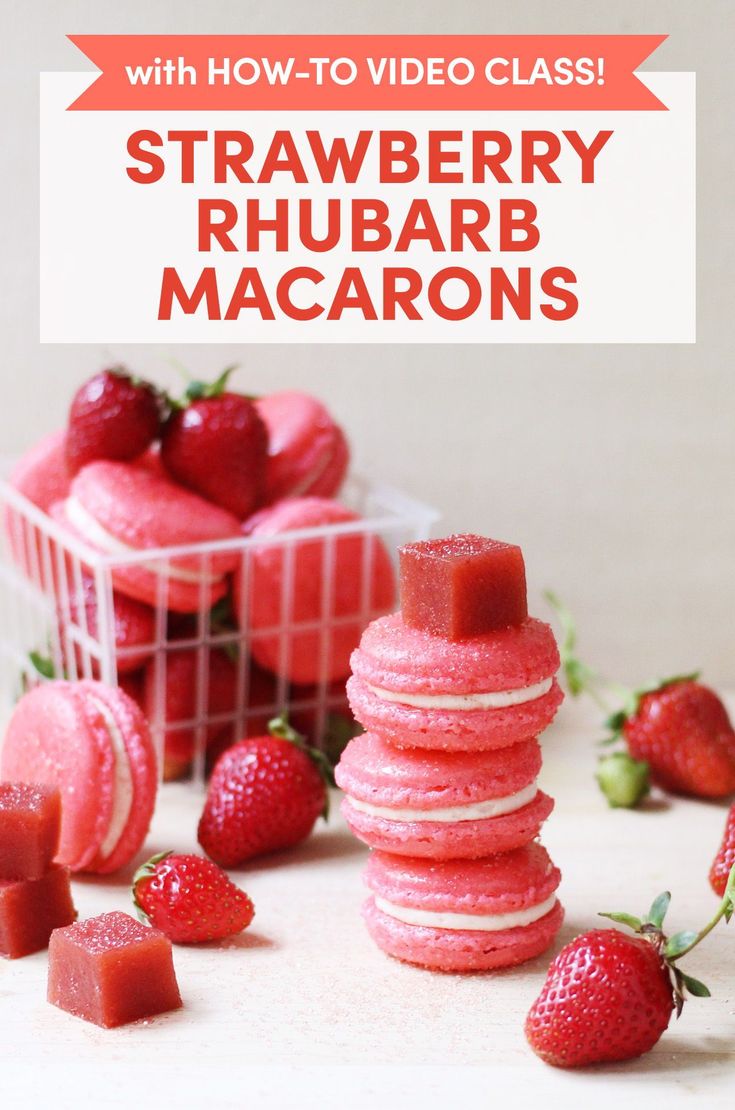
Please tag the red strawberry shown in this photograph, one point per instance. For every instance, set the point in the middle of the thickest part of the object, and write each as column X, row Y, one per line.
column 264, row 795
column 725, row 858
column 190, row 899
column 682, row 730
column 619, row 1011
column 217, row 445
column 112, row 416
column 678, row 727
column 609, row 996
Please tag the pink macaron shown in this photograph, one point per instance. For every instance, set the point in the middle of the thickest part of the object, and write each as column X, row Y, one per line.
column 41, row 474
column 93, row 743
column 464, row 915
column 308, row 454
column 420, row 690
column 443, row 805
column 122, row 509
column 330, row 587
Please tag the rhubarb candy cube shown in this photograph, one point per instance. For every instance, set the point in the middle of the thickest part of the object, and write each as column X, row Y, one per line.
column 30, row 819
column 31, row 909
column 462, row 586
column 112, row 970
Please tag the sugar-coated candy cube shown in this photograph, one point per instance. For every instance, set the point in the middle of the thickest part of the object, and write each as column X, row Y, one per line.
column 462, row 586
column 111, row 970
column 30, row 819
column 31, row 909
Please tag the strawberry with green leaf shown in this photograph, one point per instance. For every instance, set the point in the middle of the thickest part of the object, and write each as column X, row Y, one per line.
column 265, row 794
column 190, row 899
column 609, row 996
column 677, row 727
column 215, row 443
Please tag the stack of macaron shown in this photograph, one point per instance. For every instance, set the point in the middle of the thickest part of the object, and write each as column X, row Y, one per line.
column 136, row 471
column 453, row 692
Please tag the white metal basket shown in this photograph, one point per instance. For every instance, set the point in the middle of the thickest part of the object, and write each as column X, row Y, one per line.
column 43, row 569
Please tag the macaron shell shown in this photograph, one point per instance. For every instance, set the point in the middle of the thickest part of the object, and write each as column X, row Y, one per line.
column 461, row 950
column 329, row 482
column 382, row 775
column 396, row 657
column 496, row 884
column 442, row 840
column 141, row 758
column 41, row 474
column 56, row 737
column 303, row 440
column 142, row 585
column 311, row 655
column 142, row 510
column 452, row 729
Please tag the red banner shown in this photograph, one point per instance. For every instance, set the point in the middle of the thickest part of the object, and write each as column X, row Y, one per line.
column 367, row 72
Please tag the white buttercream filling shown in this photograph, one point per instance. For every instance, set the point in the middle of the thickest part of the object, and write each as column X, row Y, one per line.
column 473, row 811
column 480, row 922
column 122, row 794
column 92, row 530
column 494, row 699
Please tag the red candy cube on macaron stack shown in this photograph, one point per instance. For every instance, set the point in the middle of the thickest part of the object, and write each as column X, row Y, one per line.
column 35, row 895
column 453, row 692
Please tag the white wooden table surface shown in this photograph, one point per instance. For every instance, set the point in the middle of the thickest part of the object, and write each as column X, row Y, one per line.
column 304, row 1011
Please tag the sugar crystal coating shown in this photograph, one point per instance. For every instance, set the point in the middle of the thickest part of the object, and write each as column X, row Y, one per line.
column 112, row 970
column 30, row 819
column 31, row 909
column 462, row 586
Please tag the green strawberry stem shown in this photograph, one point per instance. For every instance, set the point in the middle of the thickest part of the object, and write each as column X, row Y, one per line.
column 197, row 390
column 279, row 726
column 725, row 909
column 581, row 679
column 671, row 949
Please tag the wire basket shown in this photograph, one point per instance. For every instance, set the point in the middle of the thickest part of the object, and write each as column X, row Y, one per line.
column 60, row 601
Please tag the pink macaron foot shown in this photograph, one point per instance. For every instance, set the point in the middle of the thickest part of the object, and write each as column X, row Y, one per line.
column 461, row 950
column 464, row 915
column 459, row 840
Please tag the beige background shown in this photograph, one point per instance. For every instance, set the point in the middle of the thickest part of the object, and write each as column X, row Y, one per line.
column 612, row 465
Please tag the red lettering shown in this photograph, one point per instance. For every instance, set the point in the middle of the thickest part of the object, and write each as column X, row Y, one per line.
column 147, row 157
column 205, row 289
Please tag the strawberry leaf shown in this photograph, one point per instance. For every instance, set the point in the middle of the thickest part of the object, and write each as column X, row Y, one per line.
column 728, row 899
column 679, row 943
column 42, row 664
column 616, row 721
column 694, row 986
column 628, row 919
column 196, row 390
column 144, row 872
column 279, row 726
column 659, row 909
